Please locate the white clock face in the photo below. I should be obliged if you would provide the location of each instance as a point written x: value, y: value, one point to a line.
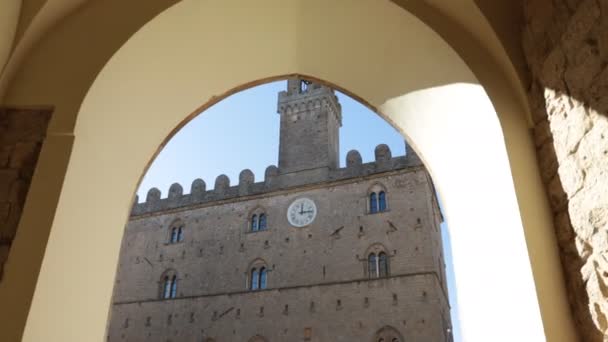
x: 301, y: 212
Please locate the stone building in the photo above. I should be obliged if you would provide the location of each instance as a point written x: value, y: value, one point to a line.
x: 313, y: 252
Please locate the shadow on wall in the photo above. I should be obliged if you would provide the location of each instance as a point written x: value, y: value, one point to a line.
x: 570, y: 107
x: 22, y: 132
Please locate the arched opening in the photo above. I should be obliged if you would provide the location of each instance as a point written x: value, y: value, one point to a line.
x: 324, y: 188
x: 399, y: 101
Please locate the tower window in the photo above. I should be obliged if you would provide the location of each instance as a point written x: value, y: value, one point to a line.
x: 377, y: 265
x: 372, y: 265
x: 258, y: 277
x: 304, y: 86
x: 169, y: 285
x: 388, y: 334
x: 177, y: 232
x: 382, y: 265
x: 373, y: 203
x: 381, y: 201
x: 258, y: 222
x: 377, y: 199
x: 254, y: 223
x: 255, y: 279
x: 262, y: 278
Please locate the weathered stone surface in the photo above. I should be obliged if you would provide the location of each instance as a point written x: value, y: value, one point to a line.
x: 7, y: 178
x: 566, y: 47
x: 5, y: 154
x: 547, y: 161
x: 571, y: 176
x: 569, y: 122
x: 21, y: 134
x: 5, y: 208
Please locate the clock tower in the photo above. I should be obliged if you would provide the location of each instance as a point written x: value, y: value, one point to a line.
x: 311, y: 117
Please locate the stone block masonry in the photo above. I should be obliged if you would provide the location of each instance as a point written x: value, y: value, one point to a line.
x: 566, y: 47
x: 22, y: 132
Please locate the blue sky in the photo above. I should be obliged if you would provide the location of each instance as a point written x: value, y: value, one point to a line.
x: 242, y: 132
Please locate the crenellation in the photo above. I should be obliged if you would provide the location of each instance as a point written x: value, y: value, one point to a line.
x: 271, y: 174
x: 198, y: 189
x: 273, y: 181
x: 382, y: 153
x: 246, y: 180
x: 175, y: 191
x: 222, y: 184
x: 353, y: 159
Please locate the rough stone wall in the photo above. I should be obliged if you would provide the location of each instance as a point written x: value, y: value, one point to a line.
x: 322, y: 263
x: 310, y: 123
x: 21, y: 134
x: 566, y: 46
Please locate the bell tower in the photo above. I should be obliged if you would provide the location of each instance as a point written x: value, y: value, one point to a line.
x: 311, y: 117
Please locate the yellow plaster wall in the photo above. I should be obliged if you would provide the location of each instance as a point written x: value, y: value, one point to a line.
x: 196, y: 51
x: 9, y: 19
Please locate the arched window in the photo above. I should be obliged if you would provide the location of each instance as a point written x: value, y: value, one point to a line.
x: 262, y: 222
x: 180, y: 234
x: 378, y: 201
x: 254, y: 223
x: 255, y: 279
x: 176, y: 234
x: 387, y: 334
x: 168, y: 284
x: 377, y: 263
x: 372, y: 266
x: 173, y: 235
x: 166, y: 288
x: 373, y: 203
x: 257, y: 338
x: 262, y: 284
x: 382, y: 201
x: 259, y: 221
x: 382, y: 265
x: 174, y: 286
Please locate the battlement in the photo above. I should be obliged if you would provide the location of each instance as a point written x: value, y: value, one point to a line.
x: 273, y: 181
x: 297, y: 100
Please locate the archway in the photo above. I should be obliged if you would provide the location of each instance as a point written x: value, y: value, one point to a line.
x: 403, y: 82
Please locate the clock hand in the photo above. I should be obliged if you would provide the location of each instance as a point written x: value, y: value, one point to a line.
x: 301, y: 208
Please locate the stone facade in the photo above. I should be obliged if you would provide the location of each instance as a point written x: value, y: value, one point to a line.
x: 22, y: 132
x: 319, y: 285
x: 566, y: 46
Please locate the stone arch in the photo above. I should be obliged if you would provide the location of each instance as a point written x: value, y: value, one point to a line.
x: 257, y: 262
x: 257, y: 338
x: 375, y: 247
x: 387, y: 334
x: 389, y: 96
